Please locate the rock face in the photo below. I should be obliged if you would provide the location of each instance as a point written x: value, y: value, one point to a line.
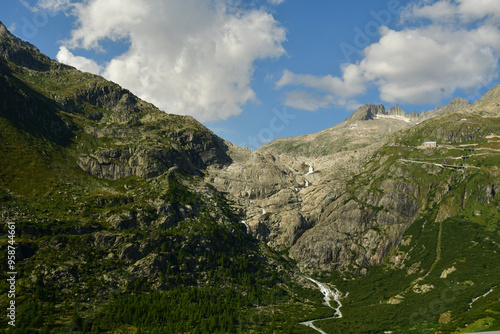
x: 22, y: 53
x: 346, y: 209
x: 186, y: 151
x: 304, y: 205
x: 322, y: 222
x: 457, y: 103
x: 144, y: 143
x: 113, y: 133
x: 366, y: 112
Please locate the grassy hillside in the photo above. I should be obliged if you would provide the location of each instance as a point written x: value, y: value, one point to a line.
x: 444, y: 276
x: 115, y: 230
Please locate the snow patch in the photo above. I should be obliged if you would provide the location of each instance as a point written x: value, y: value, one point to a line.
x: 311, y: 170
x: 397, y: 117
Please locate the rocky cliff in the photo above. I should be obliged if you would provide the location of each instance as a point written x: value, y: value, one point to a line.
x: 350, y: 209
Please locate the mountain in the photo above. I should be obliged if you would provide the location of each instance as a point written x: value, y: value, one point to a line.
x: 368, y: 125
x: 321, y: 204
x: 114, y: 224
x: 128, y: 219
x: 410, y: 231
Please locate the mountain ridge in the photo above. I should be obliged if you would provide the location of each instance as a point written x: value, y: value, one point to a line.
x: 124, y: 212
x: 109, y: 204
x: 74, y: 92
x: 373, y: 122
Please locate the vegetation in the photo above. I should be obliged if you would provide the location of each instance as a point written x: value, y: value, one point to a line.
x: 117, y: 232
x: 447, y: 280
x: 161, y: 252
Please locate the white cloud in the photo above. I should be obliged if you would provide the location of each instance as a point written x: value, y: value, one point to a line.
x: 53, y: 5
x: 444, y: 11
x: 333, y: 90
x: 275, y: 2
x: 112, y: 19
x: 472, y: 10
x: 425, y: 65
x: 27, y: 5
x: 448, y: 10
x: 349, y: 85
x: 307, y: 101
x: 417, y: 65
x: 186, y: 56
x: 83, y: 64
x: 304, y: 100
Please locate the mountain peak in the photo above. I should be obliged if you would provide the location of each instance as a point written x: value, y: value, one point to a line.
x: 458, y: 103
x: 490, y: 101
x: 396, y: 111
x: 3, y: 29
x: 6, y: 35
x: 22, y: 53
x: 493, y: 95
x: 366, y: 112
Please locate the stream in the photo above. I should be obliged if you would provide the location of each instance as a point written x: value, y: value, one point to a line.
x: 329, y: 295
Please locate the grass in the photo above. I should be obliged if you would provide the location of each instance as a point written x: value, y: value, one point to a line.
x: 185, y: 245
x: 365, y: 310
x: 467, y: 241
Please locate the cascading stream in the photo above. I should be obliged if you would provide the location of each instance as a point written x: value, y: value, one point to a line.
x: 328, y: 296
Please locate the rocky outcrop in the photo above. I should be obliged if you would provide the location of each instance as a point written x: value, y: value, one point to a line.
x: 455, y: 104
x: 316, y: 215
x: 396, y: 111
x: 366, y: 112
x: 23, y: 53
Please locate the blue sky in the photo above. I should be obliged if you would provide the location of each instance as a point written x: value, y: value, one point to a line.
x: 253, y: 71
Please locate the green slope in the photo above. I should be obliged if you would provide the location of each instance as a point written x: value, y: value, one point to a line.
x: 444, y: 276
x: 115, y: 229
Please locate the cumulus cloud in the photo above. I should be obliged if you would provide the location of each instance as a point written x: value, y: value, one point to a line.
x: 331, y: 90
x: 83, y: 64
x: 275, y: 2
x: 349, y: 85
x: 424, y: 65
x: 444, y: 11
x: 186, y: 56
x: 421, y: 64
x: 304, y: 100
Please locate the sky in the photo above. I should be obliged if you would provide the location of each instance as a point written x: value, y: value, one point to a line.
x: 256, y: 70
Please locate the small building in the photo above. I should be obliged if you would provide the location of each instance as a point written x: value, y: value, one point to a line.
x: 430, y: 144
